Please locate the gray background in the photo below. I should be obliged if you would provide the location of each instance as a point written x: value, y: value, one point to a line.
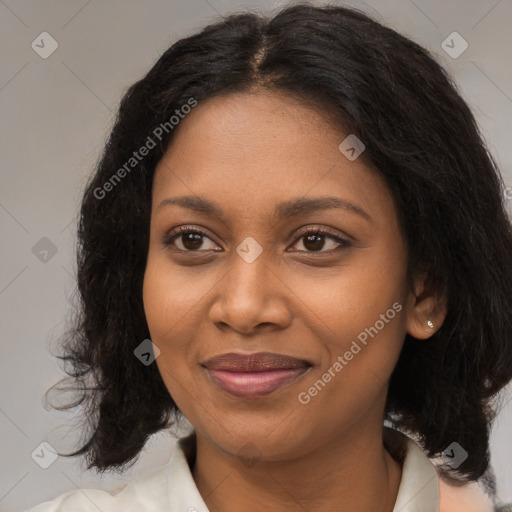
x: 55, y: 115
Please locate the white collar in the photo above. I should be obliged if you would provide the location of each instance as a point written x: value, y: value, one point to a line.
x: 419, y: 485
x: 418, y: 491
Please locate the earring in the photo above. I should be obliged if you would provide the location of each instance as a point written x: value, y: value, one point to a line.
x: 430, y: 324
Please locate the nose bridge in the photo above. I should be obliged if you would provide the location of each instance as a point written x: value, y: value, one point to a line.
x: 249, y: 274
x: 248, y: 293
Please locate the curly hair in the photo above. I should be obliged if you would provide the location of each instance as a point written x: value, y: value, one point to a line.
x: 419, y: 134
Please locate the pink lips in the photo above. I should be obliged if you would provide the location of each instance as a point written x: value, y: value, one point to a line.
x: 251, y: 375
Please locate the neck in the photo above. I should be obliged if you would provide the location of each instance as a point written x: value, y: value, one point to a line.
x: 351, y: 472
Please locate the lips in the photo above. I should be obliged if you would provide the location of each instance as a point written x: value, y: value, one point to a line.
x: 262, y: 361
x: 252, y: 375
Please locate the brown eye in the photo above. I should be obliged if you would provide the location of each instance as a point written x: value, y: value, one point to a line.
x: 316, y: 240
x: 192, y: 240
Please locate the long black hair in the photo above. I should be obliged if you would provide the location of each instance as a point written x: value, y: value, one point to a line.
x: 419, y: 135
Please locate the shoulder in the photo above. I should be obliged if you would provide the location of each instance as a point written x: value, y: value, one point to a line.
x: 146, y: 492
x: 466, y: 498
x: 423, y: 484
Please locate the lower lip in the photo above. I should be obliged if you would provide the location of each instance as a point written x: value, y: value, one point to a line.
x: 252, y: 384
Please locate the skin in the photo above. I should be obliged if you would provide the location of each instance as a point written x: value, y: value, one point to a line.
x: 469, y: 498
x: 248, y: 152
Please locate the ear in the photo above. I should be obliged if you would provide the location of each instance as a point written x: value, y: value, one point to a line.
x: 428, y: 309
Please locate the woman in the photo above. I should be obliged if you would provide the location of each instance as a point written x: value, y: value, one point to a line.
x: 294, y: 236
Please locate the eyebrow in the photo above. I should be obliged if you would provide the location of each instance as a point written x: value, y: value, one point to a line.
x: 283, y: 210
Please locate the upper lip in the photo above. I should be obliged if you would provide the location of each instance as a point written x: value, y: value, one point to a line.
x: 258, y: 362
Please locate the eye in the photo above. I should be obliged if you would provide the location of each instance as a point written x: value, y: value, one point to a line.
x: 191, y: 239
x: 314, y: 240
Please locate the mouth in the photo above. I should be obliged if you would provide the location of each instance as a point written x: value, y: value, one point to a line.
x: 253, y: 375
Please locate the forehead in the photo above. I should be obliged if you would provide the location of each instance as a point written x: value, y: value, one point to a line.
x: 255, y: 119
x: 254, y: 149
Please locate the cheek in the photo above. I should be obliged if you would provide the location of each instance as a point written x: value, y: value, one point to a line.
x: 164, y: 314
x: 166, y: 304
x: 354, y: 295
x: 361, y: 356
x: 157, y: 300
x: 174, y: 306
x: 172, y: 299
x: 358, y: 315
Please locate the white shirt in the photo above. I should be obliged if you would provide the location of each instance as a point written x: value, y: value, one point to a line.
x: 171, y: 488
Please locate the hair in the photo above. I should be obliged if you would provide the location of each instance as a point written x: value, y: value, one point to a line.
x: 420, y: 136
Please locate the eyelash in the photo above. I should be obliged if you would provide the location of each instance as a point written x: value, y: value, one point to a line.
x: 169, y: 238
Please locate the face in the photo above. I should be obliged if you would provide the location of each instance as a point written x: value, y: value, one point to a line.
x: 322, y: 280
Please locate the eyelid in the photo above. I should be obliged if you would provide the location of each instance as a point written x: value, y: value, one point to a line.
x: 173, y: 234
x: 343, y: 241
x: 323, y: 230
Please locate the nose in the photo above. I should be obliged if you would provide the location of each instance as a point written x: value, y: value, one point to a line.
x: 251, y: 297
